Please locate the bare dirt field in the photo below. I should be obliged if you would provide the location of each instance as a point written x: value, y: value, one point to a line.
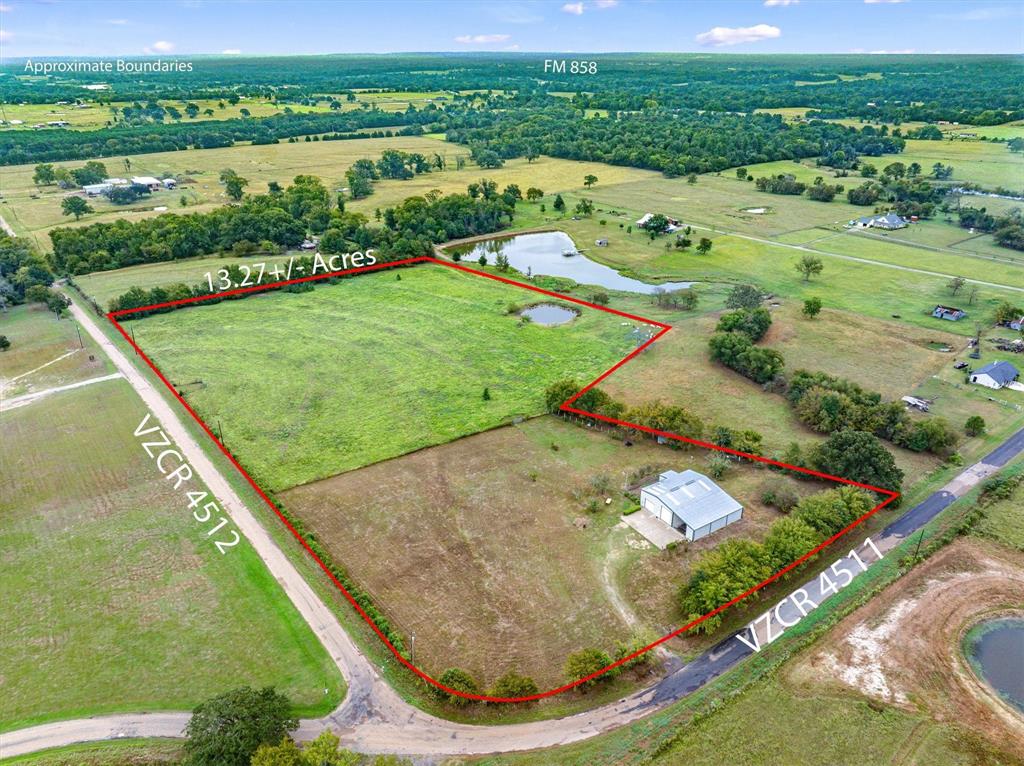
x: 499, y: 551
x: 903, y: 647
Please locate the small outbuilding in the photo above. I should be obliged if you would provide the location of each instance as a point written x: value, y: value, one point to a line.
x: 952, y: 313
x: 691, y: 503
x: 995, y: 374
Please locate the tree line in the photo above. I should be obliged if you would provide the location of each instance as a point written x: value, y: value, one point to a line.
x: 676, y: 143
x: 282, y: 218
x: 17, y: 147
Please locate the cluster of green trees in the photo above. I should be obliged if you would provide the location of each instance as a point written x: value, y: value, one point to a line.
x: 1007, y: 229
x: 828, y: 404
x: 252, y: 727
x: 903, y: 187
x: 21, y: 270
x: 734, y: 567
x: 392, y: 164
x: 677, y: 143
x: 282, y: 218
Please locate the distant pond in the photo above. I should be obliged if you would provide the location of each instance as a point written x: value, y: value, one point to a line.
x: 543, y: 253
x: 548, y: 314
x: 995, y: 649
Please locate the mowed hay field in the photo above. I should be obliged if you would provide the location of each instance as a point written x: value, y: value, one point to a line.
x: 117, y: 600
x: 308, y: 385
x: 45, y: 352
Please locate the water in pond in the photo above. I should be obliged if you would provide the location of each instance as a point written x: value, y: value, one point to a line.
x: 542, y: 253
x: 548, y: 314
x: 996, y: 651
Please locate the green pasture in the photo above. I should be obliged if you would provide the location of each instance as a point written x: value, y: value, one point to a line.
x: 307, y: 386
x: 123, y: 602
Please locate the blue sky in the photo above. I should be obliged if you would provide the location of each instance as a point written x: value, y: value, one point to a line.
x: 178, y: 28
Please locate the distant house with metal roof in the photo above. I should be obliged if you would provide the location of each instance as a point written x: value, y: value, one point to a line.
x: 952, y: 313
x: 691, y: 503
x: 995, y: 374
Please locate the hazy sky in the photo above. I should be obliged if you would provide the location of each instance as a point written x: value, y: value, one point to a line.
x: 177, y: 28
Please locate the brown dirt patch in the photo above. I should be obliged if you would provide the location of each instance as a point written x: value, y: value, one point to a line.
x: 903, y: 647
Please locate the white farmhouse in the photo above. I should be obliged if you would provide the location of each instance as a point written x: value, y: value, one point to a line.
x: 691, y: 503
x: 995, y: 374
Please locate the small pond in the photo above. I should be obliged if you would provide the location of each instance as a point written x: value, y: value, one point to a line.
x: 548, y: 314
x: 543, y: 253
x: 995, y: 649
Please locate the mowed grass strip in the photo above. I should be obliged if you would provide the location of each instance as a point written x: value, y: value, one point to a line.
x: 309, y: 385
x: 117, y: 599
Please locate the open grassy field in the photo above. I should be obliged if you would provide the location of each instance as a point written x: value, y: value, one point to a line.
x: 775, y: 722
x: 123, y: 603
x: 1002, y: 519
x: 45, y: 352
x: 547, y: 173
x: 678, y: 370
x: 980, y: 162
x: 486, y: 551
x: 92, y: 116
x: 102, y: 286
x: 396, y: 365
x: 33, y: 210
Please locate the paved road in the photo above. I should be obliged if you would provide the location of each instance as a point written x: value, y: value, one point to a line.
x: 372, y: 717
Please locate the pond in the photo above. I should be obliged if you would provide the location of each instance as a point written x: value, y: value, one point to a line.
x: 548, y: 314
x: 995, y: 649
x: 542, y: 253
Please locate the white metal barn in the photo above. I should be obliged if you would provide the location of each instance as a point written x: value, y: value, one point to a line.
x: 690, y: 502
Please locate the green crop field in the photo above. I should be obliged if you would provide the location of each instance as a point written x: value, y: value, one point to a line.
x: 309, y: 385
x: 123, y: 602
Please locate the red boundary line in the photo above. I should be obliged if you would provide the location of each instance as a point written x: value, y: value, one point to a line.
x: 566, y: 406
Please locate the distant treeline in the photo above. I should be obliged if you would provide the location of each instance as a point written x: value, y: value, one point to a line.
x: 978, y: 90
x: 676, y: 143
x: 17, y: 147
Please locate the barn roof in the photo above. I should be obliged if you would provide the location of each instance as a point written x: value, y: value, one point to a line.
x: 693, y: 497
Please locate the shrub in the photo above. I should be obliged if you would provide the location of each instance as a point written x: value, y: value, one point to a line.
x: 753, y: 323
x: 513, y: 684
x: 459, y: 680
x: 585, y: 662
x: 780, y: 496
